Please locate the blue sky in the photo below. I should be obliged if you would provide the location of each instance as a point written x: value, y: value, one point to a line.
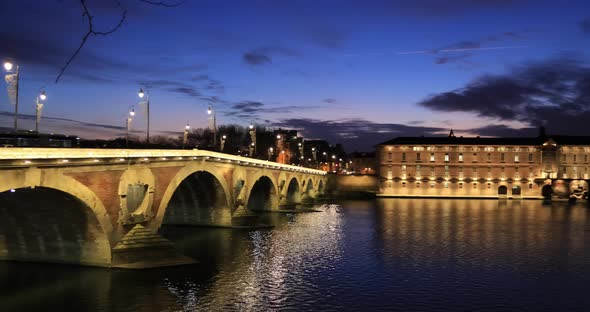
x: 354, y: 72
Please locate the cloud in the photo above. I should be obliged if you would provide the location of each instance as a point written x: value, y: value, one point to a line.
x: 585, y: 26
x: 354, y: 134
x: 330, y: 101
x: 255, y: 110
x: 555, y: 93
x: 460, y: 52
x: 264, y: 55
x: 189, y: 91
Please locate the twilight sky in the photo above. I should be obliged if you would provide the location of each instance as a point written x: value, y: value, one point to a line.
x: 352, y: 72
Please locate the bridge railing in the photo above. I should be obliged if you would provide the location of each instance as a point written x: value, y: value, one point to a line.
x: 22, y: 156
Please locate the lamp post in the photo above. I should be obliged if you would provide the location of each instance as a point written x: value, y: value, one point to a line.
x: 253, y: 140
x: 212, y: 124
x: 12, y: 80
x: 270, y: 151
x: 141, y: 95
x: 222, y: 143
x: 129, y: 119
x: 38, y: 108
x: 185, y: 138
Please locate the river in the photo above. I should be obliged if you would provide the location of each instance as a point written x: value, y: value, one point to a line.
x: 380, y: 255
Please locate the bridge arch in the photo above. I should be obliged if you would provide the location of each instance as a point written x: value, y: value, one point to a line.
x: 263, y: 195
x: 51, y: 225
x: 293, y: 193
x: 196, y: 196
x: 320, y: 189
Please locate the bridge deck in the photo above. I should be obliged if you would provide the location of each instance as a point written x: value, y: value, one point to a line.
x: 22, y: 156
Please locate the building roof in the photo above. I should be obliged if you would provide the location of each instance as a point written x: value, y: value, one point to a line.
x: 451, y: 140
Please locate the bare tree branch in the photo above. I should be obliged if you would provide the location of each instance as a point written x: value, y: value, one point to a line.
x: 86, y: 13
x: 162, y: 3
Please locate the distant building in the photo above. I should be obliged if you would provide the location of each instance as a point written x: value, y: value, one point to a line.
x: 533, y: 167
x: 363, y: 163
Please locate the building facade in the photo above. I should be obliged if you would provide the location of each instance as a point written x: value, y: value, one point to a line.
x: 537, y: 167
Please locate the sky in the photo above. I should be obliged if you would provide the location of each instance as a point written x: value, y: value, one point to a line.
x: 352, y: 72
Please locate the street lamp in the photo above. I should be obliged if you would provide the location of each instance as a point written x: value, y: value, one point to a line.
x: 185, y: 138
x: 38, y: 108
x: 222, y: 142
x: 253, y: 140
x: 12, y: 80
x: 212, y: 124
x: 141, y: 95
x: 129, y: 119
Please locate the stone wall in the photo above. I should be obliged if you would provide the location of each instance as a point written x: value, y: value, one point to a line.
x: 352, y: 185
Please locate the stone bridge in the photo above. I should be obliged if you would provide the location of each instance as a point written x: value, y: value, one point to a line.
x: 104, y: 207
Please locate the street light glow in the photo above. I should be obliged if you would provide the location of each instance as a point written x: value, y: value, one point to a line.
x: 187, y: 127
x: 132, y: 112
x: 141, y: 93
x: 43, y: 96
x: 8, y: 66
x: 251, y: 126
x: 278, y: 136
x: 209, y: 110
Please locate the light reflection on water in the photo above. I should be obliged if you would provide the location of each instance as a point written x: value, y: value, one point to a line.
x: 389, y: 254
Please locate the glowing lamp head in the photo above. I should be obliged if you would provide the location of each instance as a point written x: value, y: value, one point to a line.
x: 209, y: 110
x: 141, y: 93
x: 8, y: 66
x: 251, y: 126
x: 278, y: 136
x: 132, y: 112
x: 187, y: 127
x: 224, y: 137
x: 43, y: 96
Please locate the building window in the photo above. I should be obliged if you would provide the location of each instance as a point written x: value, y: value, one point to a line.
x: 446, y: 184
x: 516, y: 173
x: 530, y: 185
x: 474, y: 185
x: 489, y: 157
x: 488, y: 149
x: 516, y: 158
x: 474, y: 170
x: 489, y: 185
x: 460, y: 185
x: 502, y: 157
x: 446, y: 171
x: 530, y: 157
x: 403, y: 156
x: 531, y: 172
x: 417, y: 184
x: 474, y: 157
x: 460, y: 157
x: 389, y: 172
x: 432, y: 171
x: 585, y: 158
x: 446, y: 157
x: 417, y: 170
x: 403, y: 184
x: 417, y: 156
x: 431, y: 156
x: 574, y: 158
x: 389, y: 156
x: 564, y: 157
x: 432, y: 184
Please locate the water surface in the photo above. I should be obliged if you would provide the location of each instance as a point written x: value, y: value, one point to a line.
x: 383, y: 255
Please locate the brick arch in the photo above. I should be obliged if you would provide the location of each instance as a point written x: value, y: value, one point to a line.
x: 274, y: 188
x: 292, y: 191
x: 68, y: 225
x: 66, y: 184
x: 180, y: 177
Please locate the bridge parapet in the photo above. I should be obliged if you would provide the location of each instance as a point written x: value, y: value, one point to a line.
x: 29, y: 157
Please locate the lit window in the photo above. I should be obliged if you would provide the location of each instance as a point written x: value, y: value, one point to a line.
x: 446, y: 157
x: 461, y: 157
x: 431, y: 156
x: 516, y: 158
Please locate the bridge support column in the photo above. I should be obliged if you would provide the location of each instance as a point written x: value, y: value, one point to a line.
x: 142, y: 248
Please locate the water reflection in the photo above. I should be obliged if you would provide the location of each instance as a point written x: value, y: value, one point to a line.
x: 384, y: 255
